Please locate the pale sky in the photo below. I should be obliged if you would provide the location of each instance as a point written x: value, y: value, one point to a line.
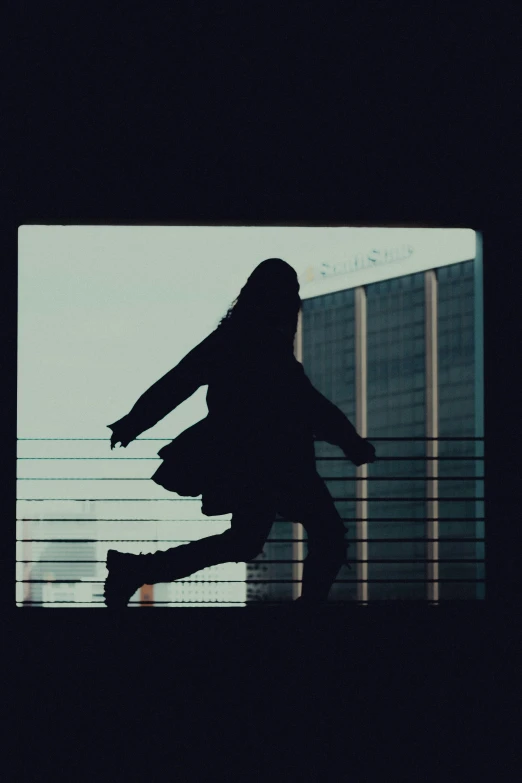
x: 104, y: 311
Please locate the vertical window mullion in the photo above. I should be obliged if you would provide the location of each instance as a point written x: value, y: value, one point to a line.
x: 479, y: 410
x: 361, y: 368
x: 297, y: 528
x: 432, y: 431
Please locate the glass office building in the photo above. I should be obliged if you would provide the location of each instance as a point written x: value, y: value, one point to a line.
x: 394, y: 339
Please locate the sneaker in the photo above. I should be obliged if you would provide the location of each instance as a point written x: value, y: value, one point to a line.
x: 124, y: 578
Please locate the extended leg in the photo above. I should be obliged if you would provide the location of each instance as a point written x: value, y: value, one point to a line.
x: 242, y: 542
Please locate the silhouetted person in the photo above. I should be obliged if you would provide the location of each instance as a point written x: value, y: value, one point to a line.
x: 253, y: 455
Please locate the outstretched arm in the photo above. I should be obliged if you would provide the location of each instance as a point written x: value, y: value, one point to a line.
x: 333, y: 426
x: 330, y: 423
x: 166, y: 394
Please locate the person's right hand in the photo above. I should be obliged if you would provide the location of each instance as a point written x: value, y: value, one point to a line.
x: 115, y: 440
x: 118, y: 436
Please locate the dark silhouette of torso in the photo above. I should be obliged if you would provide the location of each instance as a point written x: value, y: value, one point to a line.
x: 263, y: 417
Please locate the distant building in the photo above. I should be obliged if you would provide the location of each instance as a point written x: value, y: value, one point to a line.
x: 70, y: 554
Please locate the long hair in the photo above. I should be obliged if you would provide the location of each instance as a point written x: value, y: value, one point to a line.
x: 268, y: 300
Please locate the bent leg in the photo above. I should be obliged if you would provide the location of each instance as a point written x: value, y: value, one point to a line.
x: 243, y: 541
x: 316, y: 511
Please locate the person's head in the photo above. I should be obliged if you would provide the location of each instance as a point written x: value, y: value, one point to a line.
x: 270, y: 297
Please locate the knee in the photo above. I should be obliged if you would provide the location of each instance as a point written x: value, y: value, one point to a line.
x: 248, y: 550
x: 243, y: 549
x: 332, y: 547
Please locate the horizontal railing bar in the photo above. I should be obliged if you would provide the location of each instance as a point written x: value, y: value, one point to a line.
x: 402, y: 478
x: 274, y: 562
x: 338, y: 602
x: 267, y: 602
x: 402, y: 520
x: 252, y: 581
x: 401, y: 438
x: 352, y: 560
x: 380, y: 459
x: 342, y: 605
x: 112, y: 540
x: 189, y: 499
x: 413, y: 499
x: 470, y: 539
x: 346, y: 459
x: 124, y: 519
x: 137, y: 604
x: 250, y: 604
x: 325, y: 478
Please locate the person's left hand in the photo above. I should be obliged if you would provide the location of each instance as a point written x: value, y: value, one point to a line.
x: 365, y: 453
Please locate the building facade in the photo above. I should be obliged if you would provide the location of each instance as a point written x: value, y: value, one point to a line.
x: 394, y: 338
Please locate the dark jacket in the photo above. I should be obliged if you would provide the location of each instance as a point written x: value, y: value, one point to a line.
x: 263, y: 417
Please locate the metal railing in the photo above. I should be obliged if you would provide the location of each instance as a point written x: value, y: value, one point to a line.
x: 297, y: 539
